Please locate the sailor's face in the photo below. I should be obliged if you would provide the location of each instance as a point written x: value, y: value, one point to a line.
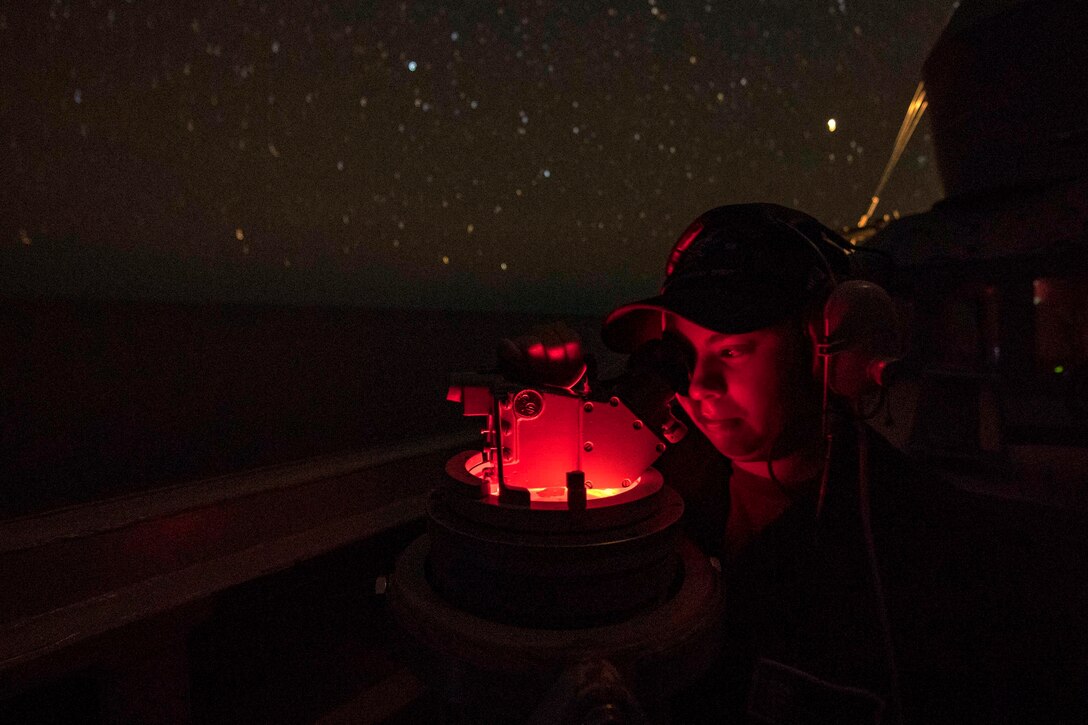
x: 750, y: 393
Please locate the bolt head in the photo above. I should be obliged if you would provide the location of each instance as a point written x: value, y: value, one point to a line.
x: 528, y: 403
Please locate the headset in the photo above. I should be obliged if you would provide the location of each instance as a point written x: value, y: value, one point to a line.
x: 855, y: 333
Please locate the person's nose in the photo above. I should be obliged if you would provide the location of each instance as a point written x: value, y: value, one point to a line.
x: 707, y: 379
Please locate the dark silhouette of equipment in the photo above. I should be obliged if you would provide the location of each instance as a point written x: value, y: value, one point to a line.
x: 994, y: 279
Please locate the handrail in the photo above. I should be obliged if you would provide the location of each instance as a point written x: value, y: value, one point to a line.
x: 114, y: 513
x: 88, y: 570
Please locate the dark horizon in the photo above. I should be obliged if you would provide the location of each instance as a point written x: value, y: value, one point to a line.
x: 66, y: 270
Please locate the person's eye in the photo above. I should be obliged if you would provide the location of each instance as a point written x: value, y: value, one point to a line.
x: 731, y: 353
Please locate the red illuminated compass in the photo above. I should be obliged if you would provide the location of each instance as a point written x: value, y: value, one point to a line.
x: 553, y: 542
x: 550, y: 448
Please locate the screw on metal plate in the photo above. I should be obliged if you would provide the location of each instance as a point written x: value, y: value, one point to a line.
x: 588, y: 446
x: 660, y: 447
x: 588, y: 407
x: 528, y: 403
x: 614, y: 401
x: 626, y: 483
x: 638, y: 425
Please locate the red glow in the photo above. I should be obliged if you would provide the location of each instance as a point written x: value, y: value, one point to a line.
x: 555, y: 497
x: 536, y: 438
x: 568, y: 433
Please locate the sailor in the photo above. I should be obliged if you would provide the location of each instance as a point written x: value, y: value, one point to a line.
x: 859, y: 589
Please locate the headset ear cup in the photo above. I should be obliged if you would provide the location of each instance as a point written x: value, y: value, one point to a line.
x: 862, y: 337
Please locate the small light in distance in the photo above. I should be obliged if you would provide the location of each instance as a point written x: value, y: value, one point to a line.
x: 412, y: 65
x: 832, y: 125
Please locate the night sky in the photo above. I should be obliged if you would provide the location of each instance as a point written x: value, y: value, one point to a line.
x: 534, y: 155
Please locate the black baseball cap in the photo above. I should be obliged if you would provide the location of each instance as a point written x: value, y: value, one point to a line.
x: 736, y: 269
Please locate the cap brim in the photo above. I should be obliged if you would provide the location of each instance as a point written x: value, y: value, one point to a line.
x: 629, y: 326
